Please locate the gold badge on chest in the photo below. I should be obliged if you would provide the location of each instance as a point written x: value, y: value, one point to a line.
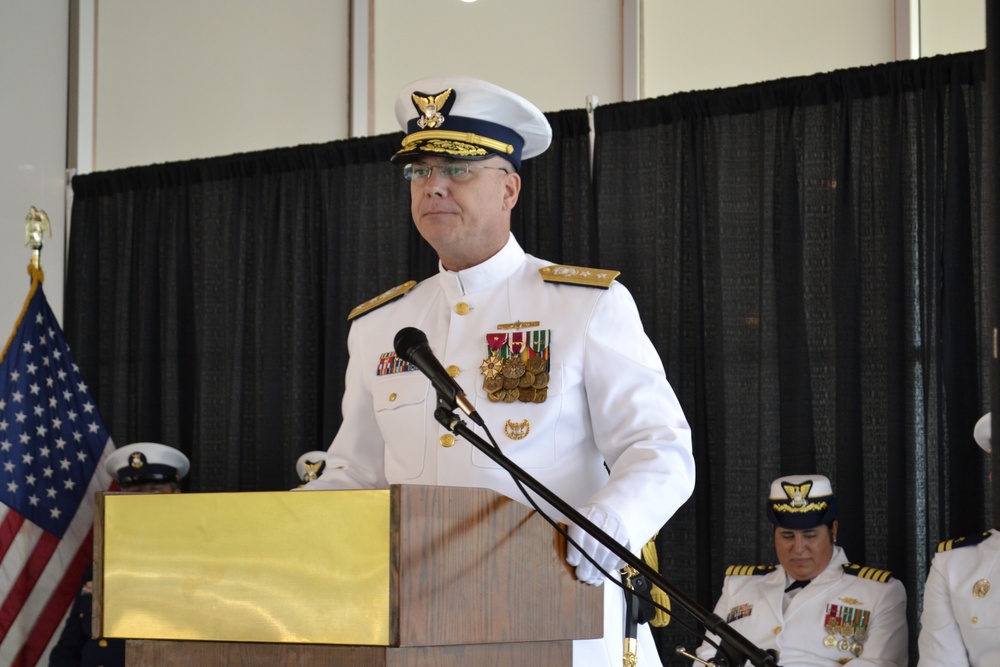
x: 981, y: 589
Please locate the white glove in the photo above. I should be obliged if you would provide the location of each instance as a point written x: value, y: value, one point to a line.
x: 611, y: 524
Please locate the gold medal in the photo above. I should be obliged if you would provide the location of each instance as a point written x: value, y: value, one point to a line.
x: 535, y: 365
x: 541, y: 380
x: 493, y: 384
x: 844, y: 645
x: 511, y: 395
x: 526, y: 394
x: 541, y: 395
x: 513, y: 368
x: 856, y: 649
x: 848, y: 631
x: 829, y: 641
x: 526, y: 380
x: 861, y: 635
x: 496, y: 396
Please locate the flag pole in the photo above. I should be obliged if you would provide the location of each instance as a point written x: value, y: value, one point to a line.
x: 36, y: 224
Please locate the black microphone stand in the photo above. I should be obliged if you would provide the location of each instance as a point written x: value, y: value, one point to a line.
x: 730, y: 638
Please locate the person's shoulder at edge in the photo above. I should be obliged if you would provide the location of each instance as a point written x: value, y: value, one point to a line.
x: 973, y: 539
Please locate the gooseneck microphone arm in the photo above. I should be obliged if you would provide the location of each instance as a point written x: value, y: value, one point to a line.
x: 731, y: 640
x: 411, y: 345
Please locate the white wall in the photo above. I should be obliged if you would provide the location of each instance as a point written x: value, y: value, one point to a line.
x: 34, y: 49
x: 184, y: 79
x: 952, y: 26
x: 553, y: 52
x: 721, y: 43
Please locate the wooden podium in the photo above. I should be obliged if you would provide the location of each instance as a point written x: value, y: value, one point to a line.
x: 404, y: 577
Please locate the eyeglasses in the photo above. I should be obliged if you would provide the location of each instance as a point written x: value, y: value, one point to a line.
x: 453, y: 171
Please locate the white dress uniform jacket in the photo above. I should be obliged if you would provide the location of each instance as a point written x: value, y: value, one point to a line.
x: 753, y: 607
x: 960, y: 623
x: 608, y: 401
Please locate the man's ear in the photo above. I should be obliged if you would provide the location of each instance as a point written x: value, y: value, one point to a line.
x: 512, y: 190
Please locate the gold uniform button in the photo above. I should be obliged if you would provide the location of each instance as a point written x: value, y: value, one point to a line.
x: 777, y: 630
x: 392, y: 397
x: 103, y: 643
x: 462, y: 308
x: 447, y: 440
x: 975, y: 619
x: 453, y: 371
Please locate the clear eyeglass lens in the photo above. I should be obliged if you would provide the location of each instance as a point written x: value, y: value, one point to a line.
x: 420, y: 172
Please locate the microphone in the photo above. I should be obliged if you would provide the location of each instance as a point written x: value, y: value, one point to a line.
x: 411, y: 346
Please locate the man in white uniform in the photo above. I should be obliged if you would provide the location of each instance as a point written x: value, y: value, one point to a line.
x: 960, y: 623
x: 554, y: 358
x: 815, y: 608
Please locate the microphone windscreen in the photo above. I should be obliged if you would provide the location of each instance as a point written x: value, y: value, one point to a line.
x: 407, y: 339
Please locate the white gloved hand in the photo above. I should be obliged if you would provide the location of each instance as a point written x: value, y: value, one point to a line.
x: 611, y: 524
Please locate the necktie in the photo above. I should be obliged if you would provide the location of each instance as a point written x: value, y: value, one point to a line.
x: 797, y: 584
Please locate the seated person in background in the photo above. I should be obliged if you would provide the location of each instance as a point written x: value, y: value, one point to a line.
x: 960, y: 623
x: 815, y: 608
x: 143, y: 467
x: 310, y: 466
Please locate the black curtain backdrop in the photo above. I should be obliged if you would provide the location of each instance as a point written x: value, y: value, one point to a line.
x: 808, y: 255
x: 809, y: 258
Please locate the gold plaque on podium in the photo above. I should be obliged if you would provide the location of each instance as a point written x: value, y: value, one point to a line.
x: 300, y: 567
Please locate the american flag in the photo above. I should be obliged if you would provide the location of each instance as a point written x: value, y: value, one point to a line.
x: 52, y: 450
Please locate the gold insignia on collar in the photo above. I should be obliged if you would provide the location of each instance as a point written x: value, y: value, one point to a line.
x: 430, y: 108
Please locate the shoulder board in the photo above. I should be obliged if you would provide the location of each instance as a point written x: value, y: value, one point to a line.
x: 865, y: 572
x: 748, y: 570
x: 964, y: 541
x: 578, y: 275
x: 382, y: 299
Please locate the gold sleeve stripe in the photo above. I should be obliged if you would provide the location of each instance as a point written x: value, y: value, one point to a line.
x: 746, y: 570
x: 874, y: 574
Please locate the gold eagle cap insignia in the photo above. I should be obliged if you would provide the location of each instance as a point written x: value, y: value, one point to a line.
x: 430, y: 107
x: 797, y: 493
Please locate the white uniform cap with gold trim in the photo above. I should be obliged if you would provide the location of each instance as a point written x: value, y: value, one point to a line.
x: 799, y: 502
x: 464, y: 118
x: 983, y: 432
x: 310, y: 465
x: 147, y: 462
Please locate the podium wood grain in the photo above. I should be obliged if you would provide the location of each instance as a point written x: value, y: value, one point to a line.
x: 475, y: 578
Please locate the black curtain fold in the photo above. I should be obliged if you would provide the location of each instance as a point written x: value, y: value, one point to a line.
x: 811, y: 230
x: 208, y: 299
x: 807, y: 255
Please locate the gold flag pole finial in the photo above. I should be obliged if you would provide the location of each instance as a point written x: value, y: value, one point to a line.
x: 35, y: 225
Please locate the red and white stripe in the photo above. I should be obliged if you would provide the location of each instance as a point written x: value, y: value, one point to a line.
x: 40, y: 576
